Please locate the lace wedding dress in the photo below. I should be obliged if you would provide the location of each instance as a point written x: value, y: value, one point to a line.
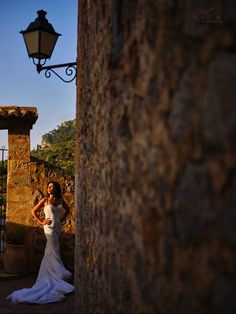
x: 51, y: 284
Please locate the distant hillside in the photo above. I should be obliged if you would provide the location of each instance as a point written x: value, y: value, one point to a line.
x: 58, y: 147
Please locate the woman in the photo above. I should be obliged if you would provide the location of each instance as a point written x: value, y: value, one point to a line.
x: 52, y: 281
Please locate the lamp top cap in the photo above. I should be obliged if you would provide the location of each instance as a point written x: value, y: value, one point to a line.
x: 41, y: 23
x: 41, y: 13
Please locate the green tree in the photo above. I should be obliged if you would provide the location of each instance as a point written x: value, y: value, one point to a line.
x: 58, y: 147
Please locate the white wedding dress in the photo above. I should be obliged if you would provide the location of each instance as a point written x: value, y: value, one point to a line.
x: 51, y: 284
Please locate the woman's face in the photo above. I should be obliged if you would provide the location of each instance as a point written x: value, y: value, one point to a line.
x: 51, y: 188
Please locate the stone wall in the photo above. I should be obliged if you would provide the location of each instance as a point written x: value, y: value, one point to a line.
x: 156, y: 129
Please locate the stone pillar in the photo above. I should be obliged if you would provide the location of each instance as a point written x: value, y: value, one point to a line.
x: 18, y: 121
x: 18, y: 187
x: 156, y: 166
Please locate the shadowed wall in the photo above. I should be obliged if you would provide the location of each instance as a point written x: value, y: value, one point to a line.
x: 156, y: 184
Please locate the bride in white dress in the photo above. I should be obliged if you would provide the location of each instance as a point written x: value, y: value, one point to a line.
x: 52, y: 281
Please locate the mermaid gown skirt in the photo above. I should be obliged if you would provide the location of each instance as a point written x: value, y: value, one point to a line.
x: 51, y: 284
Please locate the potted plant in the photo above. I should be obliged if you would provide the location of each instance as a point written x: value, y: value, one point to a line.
x: 15, y: 258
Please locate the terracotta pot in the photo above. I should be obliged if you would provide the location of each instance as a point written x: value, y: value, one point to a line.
x: 15, y: 258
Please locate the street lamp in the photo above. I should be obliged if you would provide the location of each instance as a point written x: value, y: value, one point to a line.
x: 40, y: 39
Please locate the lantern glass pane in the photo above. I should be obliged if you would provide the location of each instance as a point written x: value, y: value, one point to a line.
x: 48, y: 41
x: 32, y: 42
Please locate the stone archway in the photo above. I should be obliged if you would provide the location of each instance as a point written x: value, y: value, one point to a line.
x: 18, y: 121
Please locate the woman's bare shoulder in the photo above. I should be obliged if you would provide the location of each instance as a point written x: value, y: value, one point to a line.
x: 44, y: 200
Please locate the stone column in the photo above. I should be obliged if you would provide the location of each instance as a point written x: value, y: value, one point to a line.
x: 156, y: 183
x: 18, y: 121
x: 18, y: 187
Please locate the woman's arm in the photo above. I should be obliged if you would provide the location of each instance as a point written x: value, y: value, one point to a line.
x: 35, y: 211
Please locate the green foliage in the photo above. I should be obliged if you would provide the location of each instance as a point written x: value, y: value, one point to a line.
x: 64, y: 133
x: 3, y: 168
x: 59, y: 147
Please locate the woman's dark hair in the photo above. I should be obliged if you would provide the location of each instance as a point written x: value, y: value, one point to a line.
x: 57, y: 187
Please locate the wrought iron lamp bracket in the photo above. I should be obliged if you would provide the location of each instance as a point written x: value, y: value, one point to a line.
x: 70, y: 70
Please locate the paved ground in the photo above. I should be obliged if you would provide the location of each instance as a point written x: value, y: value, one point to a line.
x: 8, y: 284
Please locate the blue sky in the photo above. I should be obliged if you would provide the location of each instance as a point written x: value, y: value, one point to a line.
x: 20, y: 84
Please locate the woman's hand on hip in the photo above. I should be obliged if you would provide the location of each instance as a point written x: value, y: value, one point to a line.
x: 47, y: 221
